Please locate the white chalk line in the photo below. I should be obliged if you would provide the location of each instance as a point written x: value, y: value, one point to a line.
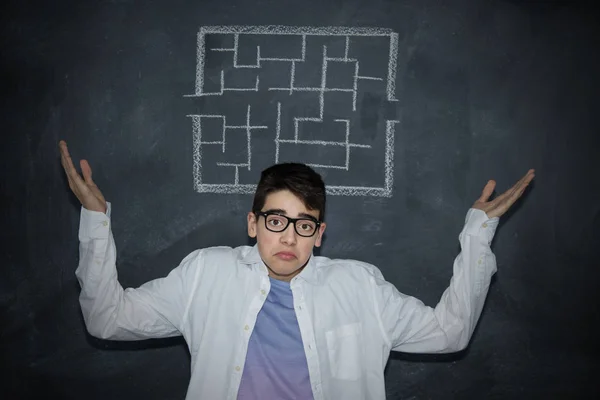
x: 247, y: 127
x: 345, y: 144
x: 323, y: 83
x: 330, y: 190
x: 197, y: 128
x: 236, y: 188
x: 325, y: 143
x: 277, y: 132
x: 347, y: 122
x: 392, y: 64
x: 285, y: 30
x: 390, y: 91
x: 296, y: 30
x: 390, y: 128
x: 196, y: 152
x: 341, y: 59
x: 321, y: 96
x: 346, y: 48
x: 311, y: 89
x: 248, y: 136
x: 220, y: 164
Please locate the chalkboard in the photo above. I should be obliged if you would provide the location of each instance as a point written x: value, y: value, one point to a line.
x: 406, y: 108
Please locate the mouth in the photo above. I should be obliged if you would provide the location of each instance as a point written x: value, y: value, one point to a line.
x: 285, y: 255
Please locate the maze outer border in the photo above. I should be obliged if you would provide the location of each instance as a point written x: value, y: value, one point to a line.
x: 386, y: 190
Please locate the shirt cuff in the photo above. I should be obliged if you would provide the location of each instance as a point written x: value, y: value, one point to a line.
x: 477, y: 223
x: 94, y: 224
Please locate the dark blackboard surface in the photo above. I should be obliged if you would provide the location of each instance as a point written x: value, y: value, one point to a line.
x: 481, y: 91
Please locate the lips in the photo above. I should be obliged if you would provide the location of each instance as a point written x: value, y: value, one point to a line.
x: 285, y: 255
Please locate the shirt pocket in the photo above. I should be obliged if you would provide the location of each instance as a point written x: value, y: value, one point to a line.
x: 344, y: 345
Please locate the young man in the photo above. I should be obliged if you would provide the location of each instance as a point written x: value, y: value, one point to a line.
x: 273, y: 321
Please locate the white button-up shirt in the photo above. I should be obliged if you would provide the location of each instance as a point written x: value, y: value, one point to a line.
x: 349, y: 316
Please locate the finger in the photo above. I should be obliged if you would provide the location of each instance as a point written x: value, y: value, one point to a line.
x: 512, y: 195
x: 69, y: 170
x: 514, y: 190
x: 506, y: 199
x: 520, y: 186
x: 65, y: 156
x: 75, y: 181
x: 528, y: 178
x: 66, y: 160
x: 62, y: 145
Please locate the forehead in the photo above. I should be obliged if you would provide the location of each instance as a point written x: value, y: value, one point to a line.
x: 288, y: 202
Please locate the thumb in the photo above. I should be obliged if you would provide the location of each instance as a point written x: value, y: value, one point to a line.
x: 488, y: 190
x: 86, y: 171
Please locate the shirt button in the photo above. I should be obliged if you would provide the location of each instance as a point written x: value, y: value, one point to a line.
x: 484, y: 225
x: 310, y: 347
x: 246, y: 327
x: 104, y: 223
x: 479, y: 262
x: 263, y: 292
x: 237, y: 368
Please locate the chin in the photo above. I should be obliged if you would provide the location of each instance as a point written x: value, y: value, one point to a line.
x: 285, y: 270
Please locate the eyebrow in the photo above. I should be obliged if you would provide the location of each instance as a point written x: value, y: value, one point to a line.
x: 283, y: 212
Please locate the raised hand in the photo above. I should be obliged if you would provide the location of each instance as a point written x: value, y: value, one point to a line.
x: 85, y: 189
x: 502, y: 203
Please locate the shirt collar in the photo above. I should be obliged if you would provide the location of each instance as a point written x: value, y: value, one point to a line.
x: 310, y: 273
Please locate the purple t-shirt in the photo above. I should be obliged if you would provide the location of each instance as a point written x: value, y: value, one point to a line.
x: 276, y: 365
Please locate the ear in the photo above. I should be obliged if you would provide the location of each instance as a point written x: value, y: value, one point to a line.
x: 252, y: 224
x: 320, y: 234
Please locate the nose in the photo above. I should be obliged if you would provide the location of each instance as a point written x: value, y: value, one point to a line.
x: 288, y: 236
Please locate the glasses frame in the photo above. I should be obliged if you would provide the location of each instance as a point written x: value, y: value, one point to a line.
x: 289, y: 221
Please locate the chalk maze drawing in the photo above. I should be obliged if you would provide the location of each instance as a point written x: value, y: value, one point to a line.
x: 214, y: 133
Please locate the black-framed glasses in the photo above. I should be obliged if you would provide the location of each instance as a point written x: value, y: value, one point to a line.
x: 305, y: 227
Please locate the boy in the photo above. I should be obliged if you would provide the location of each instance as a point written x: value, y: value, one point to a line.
x: 273, y: 321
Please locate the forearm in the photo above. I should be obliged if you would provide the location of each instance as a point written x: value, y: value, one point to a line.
x: 461, y: 304
x: 111, y: 312
x: 101, y: 292
x: 415, y: 327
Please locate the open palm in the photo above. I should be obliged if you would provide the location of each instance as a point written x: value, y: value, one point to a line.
x: 84, y: 188
x: 501, y: 204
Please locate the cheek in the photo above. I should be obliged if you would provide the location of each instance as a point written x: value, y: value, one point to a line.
x: 265, y: 242
x: 307, y: 248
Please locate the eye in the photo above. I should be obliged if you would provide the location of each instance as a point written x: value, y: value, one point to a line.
x: 275, y: 221
x: 307, y: 226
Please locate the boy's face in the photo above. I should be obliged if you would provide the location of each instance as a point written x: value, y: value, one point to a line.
x: 285, y: 253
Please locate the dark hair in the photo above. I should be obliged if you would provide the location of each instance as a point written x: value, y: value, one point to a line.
x: 300, y: 179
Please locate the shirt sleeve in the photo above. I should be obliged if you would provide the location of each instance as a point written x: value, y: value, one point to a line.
x: 156, y: 309
x: 411, y: 326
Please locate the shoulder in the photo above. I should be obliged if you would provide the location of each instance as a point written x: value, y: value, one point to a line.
x: 339, y: 268
x: 217, y: 256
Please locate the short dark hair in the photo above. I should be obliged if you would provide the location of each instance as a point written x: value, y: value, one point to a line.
x: 300, y: 179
